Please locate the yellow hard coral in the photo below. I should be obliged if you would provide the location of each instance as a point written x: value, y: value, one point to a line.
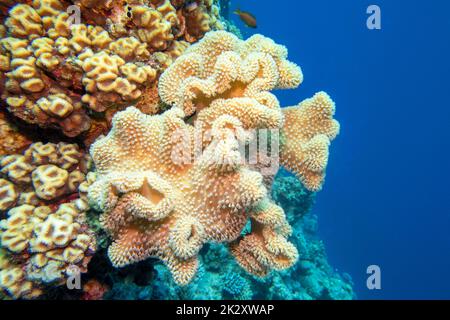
x: 42, y: 174
x: 50, y: 76
x: 8, y: 194
x: 28, y: 94
x: 24, y: 22
x: 44, y: 244
x: 199, y: 18
x: 13, y: 282
x: 266, y: 247
x: 49, y: 244
x: 308, y: 130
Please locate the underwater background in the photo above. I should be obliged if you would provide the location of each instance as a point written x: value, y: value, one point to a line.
x: 385, y: 198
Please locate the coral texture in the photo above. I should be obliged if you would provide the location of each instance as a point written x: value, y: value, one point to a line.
x: 154, y: 207
x: 42, y: 175
x: 48, y: 245
x: 45, y: 231
x: 309, y: 128
x: 222, y: 75
x: 219, y: 276
x: 158, y: 202
x: 55, y: 70
x: 168, y: 106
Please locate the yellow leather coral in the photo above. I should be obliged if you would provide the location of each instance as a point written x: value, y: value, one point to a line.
x: 156, y: 206
x: 164, y: 194
x: 309, y: 128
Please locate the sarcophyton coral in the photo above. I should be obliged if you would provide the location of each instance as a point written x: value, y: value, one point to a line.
x: 159, y: 22
x: 156, y: 202
x: 307, y: 133
x: 223, y: 75
x: 45, y: 232
x: 56, y: 70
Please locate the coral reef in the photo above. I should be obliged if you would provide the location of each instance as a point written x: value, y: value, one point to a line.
x: 155, y: 208
x: 157, y: 202
x: 57, y: 72
x: 168, y: 106
x: 223, y: 75
x: 44, y: 231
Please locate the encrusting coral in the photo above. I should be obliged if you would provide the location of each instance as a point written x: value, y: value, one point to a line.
x: 41, y: 175
x: 56, y: 71
x: 45, y: 232
x: 158, y: 201
x: 13, y: 282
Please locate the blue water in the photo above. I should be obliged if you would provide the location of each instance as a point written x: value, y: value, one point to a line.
x: 386, y: 199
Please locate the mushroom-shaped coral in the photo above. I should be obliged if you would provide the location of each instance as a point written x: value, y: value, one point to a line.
x: 164, y: 193
x: 45, y: 233
x: 155, y: 206
x: 308, y: 131
x: 223, y: 75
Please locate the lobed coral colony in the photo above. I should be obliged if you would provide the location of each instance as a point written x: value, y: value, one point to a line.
x: 118, y: 94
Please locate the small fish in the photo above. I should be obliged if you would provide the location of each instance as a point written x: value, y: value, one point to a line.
x: 247, y: 18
